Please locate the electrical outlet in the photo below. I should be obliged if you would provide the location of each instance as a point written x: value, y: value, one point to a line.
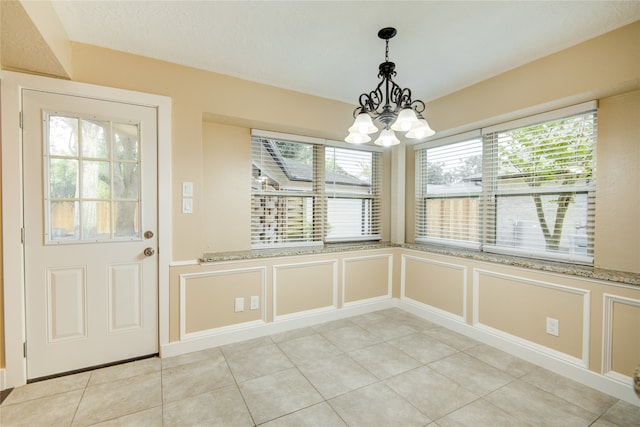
x: 239, y: 304
x: 255, y: 302
x: 553, y: 327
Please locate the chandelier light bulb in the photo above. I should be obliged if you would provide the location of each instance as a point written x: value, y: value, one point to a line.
x: 357, y: 138
x: 387, y: 138
x: 363, y: 125
x: 420, y: 130
x: 406, y: 120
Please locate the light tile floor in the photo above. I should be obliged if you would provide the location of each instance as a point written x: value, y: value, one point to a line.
x: 386, y: 368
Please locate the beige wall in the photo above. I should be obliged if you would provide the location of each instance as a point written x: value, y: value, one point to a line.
x: 600, y: 67
x: 368, y: 277
x: 441, y: 285
x: 226, y: 187
x: 617, y: 239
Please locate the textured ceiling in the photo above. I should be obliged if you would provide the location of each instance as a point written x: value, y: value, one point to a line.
x: 331, y: 48
x: 23, y: 47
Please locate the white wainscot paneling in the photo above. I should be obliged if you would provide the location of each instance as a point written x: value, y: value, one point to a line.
x: 607, y: 337
x: 66, y: 303
x: 347, y: 262
x: 184, y: 283
x: 125, y: 297
x: 334, y: 286
x: 582, y: 362
x: 431, y: 309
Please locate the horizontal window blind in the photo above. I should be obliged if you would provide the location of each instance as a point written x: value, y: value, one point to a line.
x: 283, y: 194
x: 524, y: 188
x: 307, y: 193
x: 352, y: 187
x: 541, y: 191
x: 448, y: 186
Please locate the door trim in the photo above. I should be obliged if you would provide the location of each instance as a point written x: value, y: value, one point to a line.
x: 11, y: 86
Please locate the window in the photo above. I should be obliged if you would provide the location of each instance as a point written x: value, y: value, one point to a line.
x: 308, y: 193
x: 284, y: 194
x: 352, y: 187
x: 92, y: 180
x: 524, y: 188
x: 448, y: 190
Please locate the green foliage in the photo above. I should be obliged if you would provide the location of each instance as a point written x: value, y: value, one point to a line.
x: 439, y: 174
x: 63, y: 178
x: 556, y: 153
x: 293, y: 150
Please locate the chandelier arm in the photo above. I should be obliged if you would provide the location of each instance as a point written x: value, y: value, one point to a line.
x: 418, y: 106
x: 370, y: 102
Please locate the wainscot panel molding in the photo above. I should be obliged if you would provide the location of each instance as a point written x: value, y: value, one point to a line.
x: 251, y: 330
x: 184, y: 284
x: 459, y: 285
x: 582, y: 361
x: 302, y: 307
x: 609, y: 302
x: 384, y: 282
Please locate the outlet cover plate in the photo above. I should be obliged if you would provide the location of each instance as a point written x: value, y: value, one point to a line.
x: 239, y: 304
x: 255, y: 302
x: 553, y: 327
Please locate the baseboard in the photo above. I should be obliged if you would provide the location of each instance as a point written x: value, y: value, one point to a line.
x: 621, y: 388
x: 223, y: 336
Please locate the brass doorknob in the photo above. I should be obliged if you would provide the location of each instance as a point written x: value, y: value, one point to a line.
x: 149, y: 251
x: 148, y: 234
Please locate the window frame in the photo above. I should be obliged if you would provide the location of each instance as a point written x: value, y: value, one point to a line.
x: 491, y: 190
x: 423, y: 196
x: 320, y: 195
x: 374, y: 198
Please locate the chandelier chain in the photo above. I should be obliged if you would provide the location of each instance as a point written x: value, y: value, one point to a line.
x: 386, y: 52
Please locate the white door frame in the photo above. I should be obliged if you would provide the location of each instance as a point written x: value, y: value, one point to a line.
x: 12, y: 84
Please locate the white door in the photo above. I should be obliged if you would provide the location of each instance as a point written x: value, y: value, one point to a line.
x: 90, y: 220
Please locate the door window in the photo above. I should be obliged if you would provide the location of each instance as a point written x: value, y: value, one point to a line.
x: 92, y: 179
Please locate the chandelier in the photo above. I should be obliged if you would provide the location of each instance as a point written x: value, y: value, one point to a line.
x: 398, y: 113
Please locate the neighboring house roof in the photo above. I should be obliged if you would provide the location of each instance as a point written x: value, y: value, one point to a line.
x: 296, y: 170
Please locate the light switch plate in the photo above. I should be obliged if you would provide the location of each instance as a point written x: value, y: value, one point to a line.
x: 187, y: 206
x: 239, y: 304
x: 187, y: 189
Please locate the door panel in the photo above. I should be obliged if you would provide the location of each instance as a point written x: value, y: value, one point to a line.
x: 66, y: 303
x: 125, y: 295
x: 90, y: 193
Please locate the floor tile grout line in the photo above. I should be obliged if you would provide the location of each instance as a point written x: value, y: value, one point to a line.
x: 557, y: 396
x: 235, y: 380
x: 84, y: 390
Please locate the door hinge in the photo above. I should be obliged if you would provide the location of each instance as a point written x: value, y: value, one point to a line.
x: 24, y: 349
x: 20, y: 119
x: 22, y: 235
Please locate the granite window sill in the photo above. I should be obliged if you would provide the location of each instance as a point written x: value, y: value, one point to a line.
x: 620, y: 277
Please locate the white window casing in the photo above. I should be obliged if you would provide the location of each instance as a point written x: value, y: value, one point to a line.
x: 536, y: 187
x: 308, y: 191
